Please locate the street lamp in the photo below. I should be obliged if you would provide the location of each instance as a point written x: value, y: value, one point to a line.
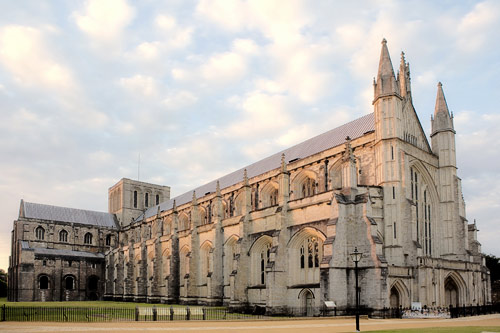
x: 356, y: 257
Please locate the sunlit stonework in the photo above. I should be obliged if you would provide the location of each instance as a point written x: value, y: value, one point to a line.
x: 279, y: 232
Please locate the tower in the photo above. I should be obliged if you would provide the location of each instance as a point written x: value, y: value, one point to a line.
x: 443, y: 145
x: 128, y: 198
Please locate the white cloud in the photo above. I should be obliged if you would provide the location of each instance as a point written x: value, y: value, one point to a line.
x: 144, y: 85
x: 176, y: 36
x: 478, y: 26
x: 179, y: 99
x: 104, y: 20
x: 262, y: 113
x: 245, y: 46
x: 18, y: 47
x: 224, y: 67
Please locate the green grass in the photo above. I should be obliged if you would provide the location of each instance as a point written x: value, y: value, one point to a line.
x: 105, y: 311
x: 466, y: 329
x: 80, y: 304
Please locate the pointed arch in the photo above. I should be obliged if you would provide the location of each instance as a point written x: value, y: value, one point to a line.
x: 183, y: 221
x: 305, y: 250
x: 206, y: 261
x: 184, y: 259
x: 167, y: 225
x: 335, y: 175
x: 230, y: 252
x: 239, y: 202
x: 424, y: 194
x: 304, y: 184
x: 165, y: 263
x: 399, y: 294
x: 203, y: 215
x: 306, y: 297
x: 454, y: 289
x: 269, y: 194
x: 259, y: 258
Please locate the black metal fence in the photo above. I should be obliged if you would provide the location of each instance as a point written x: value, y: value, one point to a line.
x: 171, y: 313
x: 466, y: 311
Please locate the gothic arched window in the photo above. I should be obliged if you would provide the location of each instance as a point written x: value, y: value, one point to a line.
x: 87, y: 238
x: 63, y: 236
x: 40, y: 233
x: 260, y: 255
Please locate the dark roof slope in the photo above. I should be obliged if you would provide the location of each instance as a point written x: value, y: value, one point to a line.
x: 63, y: 214
x: 322, y: 142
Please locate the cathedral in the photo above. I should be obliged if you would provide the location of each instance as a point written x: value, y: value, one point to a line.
x: 280, y: 232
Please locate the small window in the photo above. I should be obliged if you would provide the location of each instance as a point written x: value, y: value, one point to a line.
x: 108, y: 240
x: 63, y: 236
x: 88, y: 238
x: 44, y: 263
x: 146, y: 200
x: 40, y: 233
x: 44, y: 282
x: 394, y: 230
x: 69, y: 282
x: 157, y: 199
x: 135, y: 199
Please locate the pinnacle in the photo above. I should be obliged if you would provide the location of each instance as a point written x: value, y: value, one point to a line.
x: 441, y: 105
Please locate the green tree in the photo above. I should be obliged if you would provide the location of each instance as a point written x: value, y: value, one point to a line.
x: 3, y: 283
x: 493, y: 264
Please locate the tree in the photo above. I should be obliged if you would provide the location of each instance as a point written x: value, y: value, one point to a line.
x: 3, y: 283
x: 493, y: 264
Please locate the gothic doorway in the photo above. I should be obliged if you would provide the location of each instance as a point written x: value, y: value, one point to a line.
x: 451, y: 292
x: 306, y: 299
x: 395, y: 299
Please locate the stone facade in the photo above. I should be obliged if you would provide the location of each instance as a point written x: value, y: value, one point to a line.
x: 279, y: 233
x: 58, y: 253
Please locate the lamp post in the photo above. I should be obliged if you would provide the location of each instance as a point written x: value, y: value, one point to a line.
x: 356, y: 257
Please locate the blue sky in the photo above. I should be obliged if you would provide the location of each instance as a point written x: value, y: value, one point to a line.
x: 200, y: 88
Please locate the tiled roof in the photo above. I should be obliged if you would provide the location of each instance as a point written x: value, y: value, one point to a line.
x: 322, y: 142
x: 64, y: 214
x: 67, y: 253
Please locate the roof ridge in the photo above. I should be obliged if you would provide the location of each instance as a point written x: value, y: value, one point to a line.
x: 80, y: 209
x: 364, y: 123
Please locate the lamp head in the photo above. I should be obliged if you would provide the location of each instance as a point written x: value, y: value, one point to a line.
x: 356, y: 256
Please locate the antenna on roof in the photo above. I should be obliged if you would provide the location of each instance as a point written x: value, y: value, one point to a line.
x: 139, y: 167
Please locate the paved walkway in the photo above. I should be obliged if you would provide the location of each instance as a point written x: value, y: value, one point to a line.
x: 279, y: 326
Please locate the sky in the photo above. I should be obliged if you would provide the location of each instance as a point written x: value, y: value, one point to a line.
x: 197, y: 89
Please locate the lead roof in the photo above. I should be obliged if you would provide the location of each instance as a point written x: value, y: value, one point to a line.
x: 317, y: 144
x: 64, y: 214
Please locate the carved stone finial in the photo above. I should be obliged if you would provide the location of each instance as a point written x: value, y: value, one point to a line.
x: 217, y: 189
x: 348, y: 153
x: 384, y: 41
x: 174, y: 206
x: 283, y: 163
x: 195, y: 201
x: 245, y: 177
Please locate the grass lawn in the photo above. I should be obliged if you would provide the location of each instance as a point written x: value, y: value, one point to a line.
x: 106, y: 310
x: 466, y: 329
x: 80, y: 304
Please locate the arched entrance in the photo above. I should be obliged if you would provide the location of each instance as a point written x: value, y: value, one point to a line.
x: 306, y: 302
x: 451, y: 292
x: 93, y: 288
x: 395, y: 299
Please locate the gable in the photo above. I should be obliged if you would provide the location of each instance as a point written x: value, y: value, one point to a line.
x: 412, y: 131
